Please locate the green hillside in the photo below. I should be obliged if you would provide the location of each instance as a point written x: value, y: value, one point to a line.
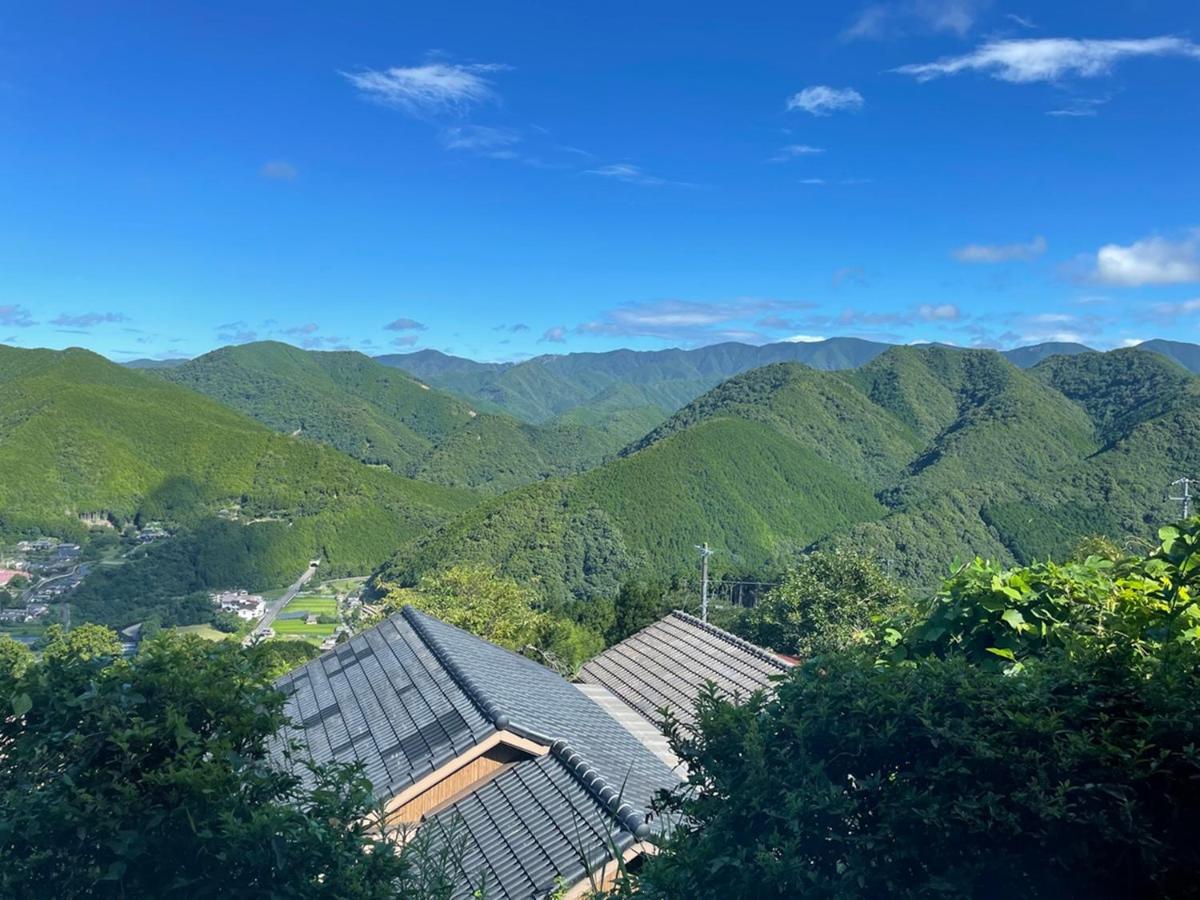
x: 752, y: 493
x: 543, y: 388
x: 80, y: 435
x: 923, y: 456
x: 384, y: 416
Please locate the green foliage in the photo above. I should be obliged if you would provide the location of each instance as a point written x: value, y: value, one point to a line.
x: 15, y: 658
x: 79, y: 434
x: 499, y: 610
x: 276, y: 658
x: 150, y: 777
x: 384, y: 416
x: 639, y: 603
x: 1030, y: 731
x: 999, y: 618
x: 924, y: 456
x: 828, y: 603
x: 1077, y: 778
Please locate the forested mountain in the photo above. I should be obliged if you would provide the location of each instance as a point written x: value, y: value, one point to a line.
x: 1024, y: 357
x: 539, y: 389
x: 923, y: 456
x: 80, y: 435
x: 1187, y: 355
x: 385, y: 416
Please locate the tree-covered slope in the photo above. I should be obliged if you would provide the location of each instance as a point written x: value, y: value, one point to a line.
x: 749, y: 491
x: 384, y: 416
x: 1187, y: 355
x: 80, y: 435
x: 540, y: 389
x: 935, y: 454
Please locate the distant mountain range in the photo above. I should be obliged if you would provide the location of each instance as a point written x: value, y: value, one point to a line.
x: 924, y: 456
x: 385, y: 416
x: 621, y: 390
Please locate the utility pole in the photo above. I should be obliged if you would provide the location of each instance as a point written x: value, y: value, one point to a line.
x: 1185, y: 496
x: 705, y: 553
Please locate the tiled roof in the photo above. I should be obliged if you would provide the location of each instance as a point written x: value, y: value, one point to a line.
x: 523, y: 831
x: 413, y: 693
x: 667, y: 664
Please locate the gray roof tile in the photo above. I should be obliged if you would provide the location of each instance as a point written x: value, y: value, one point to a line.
x: 413, y: 693
x: 667, y: 664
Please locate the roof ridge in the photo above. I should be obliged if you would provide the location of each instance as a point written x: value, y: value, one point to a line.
x: 594, y: 783
x: 590, y: 778
x: 469, y: 686
x: 726, y: 636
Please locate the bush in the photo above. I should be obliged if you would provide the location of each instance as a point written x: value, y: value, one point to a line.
x: 827, y: 603
x: 1077, y: 778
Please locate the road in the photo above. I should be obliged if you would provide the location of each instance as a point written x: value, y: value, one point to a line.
x: 275, y: 606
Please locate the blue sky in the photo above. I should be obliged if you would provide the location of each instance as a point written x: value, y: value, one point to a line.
x: 506, y: 179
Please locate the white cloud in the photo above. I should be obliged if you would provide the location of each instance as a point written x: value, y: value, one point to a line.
x: 994, y: 253
x: 812, y: 181
x: 632, y: 174
x: 886, y: 20
x: 555, y: 335
x: 1172, y: 310
x: 1023, y: 21
x: 278, y: 170
x: 88, y: 320
x: 1152, y: 260
x: 1132, y: 342
x: 1050, y: 59
x: 691, y: 320
x: 942, y: 312
x: 821, y: 100
x: 804, y: 339
x: 496, y: 142
x: 792, y: 151
x: 1079, y: 108
x: 431, y: 88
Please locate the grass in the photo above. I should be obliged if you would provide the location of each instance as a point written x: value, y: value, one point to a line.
x: 320, y: 606
x: 300, y: 627
x: 205, y: 631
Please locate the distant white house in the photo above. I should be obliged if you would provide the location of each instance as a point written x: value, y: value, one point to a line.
x: 242, y: 604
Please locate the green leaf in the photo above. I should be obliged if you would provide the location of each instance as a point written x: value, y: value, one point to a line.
x: 1015, y: 620
x: 21, y: 704
x: 1002, y: 653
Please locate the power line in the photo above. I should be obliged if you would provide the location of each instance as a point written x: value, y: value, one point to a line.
x: 1185, y: 497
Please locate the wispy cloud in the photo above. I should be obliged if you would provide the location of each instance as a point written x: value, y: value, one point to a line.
x: 403, y: 324
x: 555, y: 335
x: 881, y: 21
x: 1079, y: 107
x: 1050, y: 59
x: 793, y: 151
x: 278, y: 170
x: 631, y: 174
x: 306, y: 328
x: 405, y: 340
x: 1175, y: 310
x: 691, y: 321
x: 88, y: 320
x: 996, y: 253
x: 1152, y: 260
x: 435, y: 87
x: 15, y: 316
x: 482, y: 139
x: 236, y: 333
x: 822, y: 100
x: 940, y: 312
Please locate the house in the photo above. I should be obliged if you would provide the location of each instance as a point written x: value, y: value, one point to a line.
x: 667, y: 664
x: 243, y: 605
x: 531, y: 783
